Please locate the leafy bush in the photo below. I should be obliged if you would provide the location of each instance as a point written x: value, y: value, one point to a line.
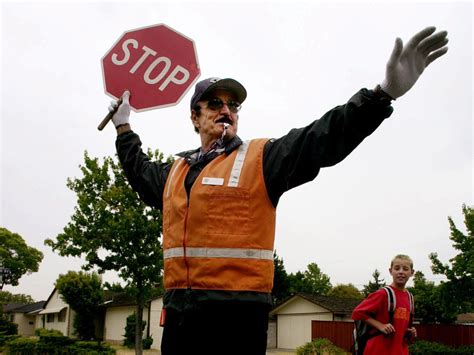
x: 51, y: 346
x: 21, y: 346
x: 7, y: 327
x: 6, y: 338
x: 319, y: 346
x: 45, y: 332
x: 428, y: 347
x: 56, y: 340
x: 465, y: 350
x: 90, y: 348
x: 147, y: 342
x: 129, y: 340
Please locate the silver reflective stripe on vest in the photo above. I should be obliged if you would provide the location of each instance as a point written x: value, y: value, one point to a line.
x: 234, y: 253
x: 171, y: 175
x: 238, y: 164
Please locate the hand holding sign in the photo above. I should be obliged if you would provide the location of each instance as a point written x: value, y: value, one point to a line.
x: 156, y: 64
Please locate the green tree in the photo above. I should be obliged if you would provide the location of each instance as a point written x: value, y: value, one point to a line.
x: 317, y: 282
x: 115, y: 287
x: 7, y: 297
x: 83, y: 292
x: 114, y: 230
x: 281, y: 282
x: 373, y: 286
x: 429, y: 305
x: 345, y: 291
x: 16, y: 258
x: 312, y: 281
x: 459, y: 287
x: 296, y: 282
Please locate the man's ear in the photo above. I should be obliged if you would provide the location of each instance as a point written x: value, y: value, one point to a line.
x: 194, y: 118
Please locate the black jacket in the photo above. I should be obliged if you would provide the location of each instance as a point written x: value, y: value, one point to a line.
x: 288, y: 162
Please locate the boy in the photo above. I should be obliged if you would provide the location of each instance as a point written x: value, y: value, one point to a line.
x: 374, y: 311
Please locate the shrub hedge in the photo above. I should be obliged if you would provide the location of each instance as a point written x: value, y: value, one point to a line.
x: 428, y: 347
x: 318, y: 347
x: 51, y: 343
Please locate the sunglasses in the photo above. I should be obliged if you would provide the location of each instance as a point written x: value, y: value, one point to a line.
x: 217, y: 104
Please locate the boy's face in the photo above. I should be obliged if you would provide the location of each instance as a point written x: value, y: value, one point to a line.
x: 401, y: 272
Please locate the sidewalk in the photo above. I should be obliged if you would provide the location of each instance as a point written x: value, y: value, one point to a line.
x: 280, y: 352
x: 157, y: 352
x: 124, y: 351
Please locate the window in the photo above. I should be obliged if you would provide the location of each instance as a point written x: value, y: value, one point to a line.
x: 50, y: 318
x: 62, y: 315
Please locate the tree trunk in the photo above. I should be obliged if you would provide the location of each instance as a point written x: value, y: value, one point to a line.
x: 138, y: 325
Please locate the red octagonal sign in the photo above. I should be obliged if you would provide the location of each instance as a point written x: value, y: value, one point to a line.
x: 156, y: 64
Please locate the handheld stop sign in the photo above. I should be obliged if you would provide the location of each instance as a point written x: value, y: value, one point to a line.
x: 157, y: 64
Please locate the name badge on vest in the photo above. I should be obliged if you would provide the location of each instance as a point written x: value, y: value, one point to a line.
x: 212, y: 181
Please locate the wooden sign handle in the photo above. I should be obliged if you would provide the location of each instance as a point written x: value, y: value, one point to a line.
x: 109, y: 116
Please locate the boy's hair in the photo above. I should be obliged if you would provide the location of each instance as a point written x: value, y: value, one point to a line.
x: 402, y: 257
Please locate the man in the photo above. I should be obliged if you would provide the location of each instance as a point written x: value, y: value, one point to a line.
x: 219, y: 200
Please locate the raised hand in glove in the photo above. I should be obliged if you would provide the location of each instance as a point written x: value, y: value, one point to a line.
x: 122, y: 115
x: 407, y: 62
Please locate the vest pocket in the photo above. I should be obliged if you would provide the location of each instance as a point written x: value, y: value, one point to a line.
x: 228, y: 211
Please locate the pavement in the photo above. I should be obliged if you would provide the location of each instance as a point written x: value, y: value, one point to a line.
x: 123, y: 351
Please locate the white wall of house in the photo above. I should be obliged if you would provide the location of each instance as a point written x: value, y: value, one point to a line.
x: 294, y: 322
x: 55, y: 319
x: 39, y: 319
x: 116, y: 320
x: 156, y: 332
x: 26, y: 324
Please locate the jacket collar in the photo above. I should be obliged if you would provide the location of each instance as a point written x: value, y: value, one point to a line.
x: 191, y: 156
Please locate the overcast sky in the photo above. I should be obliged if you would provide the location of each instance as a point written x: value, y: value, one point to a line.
x: 392, y: 195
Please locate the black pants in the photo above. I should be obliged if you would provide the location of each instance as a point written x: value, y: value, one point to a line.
x: 217, y: 327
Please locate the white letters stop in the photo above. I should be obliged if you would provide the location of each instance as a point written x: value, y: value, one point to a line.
x: 173, y: 77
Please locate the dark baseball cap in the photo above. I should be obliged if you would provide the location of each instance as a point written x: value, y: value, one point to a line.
x: 209, y: 85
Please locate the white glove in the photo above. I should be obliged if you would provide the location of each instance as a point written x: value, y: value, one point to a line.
x: 122, y: 114
x: 407, y: 63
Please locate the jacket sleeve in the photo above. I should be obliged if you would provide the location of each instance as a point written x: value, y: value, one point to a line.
x: 371, y: 307
x: 147, y: 178
x: 297, y: 157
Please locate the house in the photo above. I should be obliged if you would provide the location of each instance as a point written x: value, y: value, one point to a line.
x: 119, y: 306
x: 295, y: 315
x: 465, y: 318
x: 56, y: 315
x: 24, y: 315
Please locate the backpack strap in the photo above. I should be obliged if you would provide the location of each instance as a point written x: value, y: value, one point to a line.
x: 412, y: 309
x: 391, y: 302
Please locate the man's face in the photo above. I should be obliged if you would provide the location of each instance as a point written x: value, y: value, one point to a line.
x: 401, y: 272
x: 219, y: 109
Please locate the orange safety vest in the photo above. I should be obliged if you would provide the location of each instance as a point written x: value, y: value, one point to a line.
x: 221, y: 238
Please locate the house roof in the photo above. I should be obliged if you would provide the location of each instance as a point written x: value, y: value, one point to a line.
x: 11, y: 306
x: 24, y: 308
x: 52, y: 310
x: 118, y: 299
x: 113, y: 299
x: 465, y: 318
x: 333, y: 304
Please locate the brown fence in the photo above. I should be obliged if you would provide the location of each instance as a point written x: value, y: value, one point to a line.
x: 340, y: 333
